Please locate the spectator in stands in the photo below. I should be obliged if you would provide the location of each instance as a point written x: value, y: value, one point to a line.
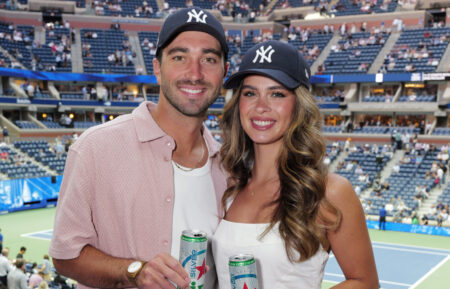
x: 158, y: 147
x: 445, y: 213
x: 320, y: 69
x: 437, y: 180
x: 17, y: 278
x: 414, y: 218
x: 350, y: 126
x: 359, y: 170
x: 22, y: 251
x: 4, y: 157
x: 440, y: 174
x: 390, y: 205
x: 440, y: 206
x: 5, y: 133
x: 93, y: 93
x: 443, y: 157
x: 357, y: 190
x: 65, y: 121
x: 46, y: 268
x: 30, y: 90
x: 424, y: 219
x: 5, y: 266
x: 35, y: 279
x: 439, y: 220
x: 385, y: 186
x: 60, y: 281
x: 367, y: 206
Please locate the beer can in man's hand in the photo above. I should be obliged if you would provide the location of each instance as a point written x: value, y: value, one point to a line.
x: 243, y: 273
x: 193, y: 246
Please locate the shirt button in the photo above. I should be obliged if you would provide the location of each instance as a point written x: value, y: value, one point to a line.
x: 165, y: 242
x: 168, y: 199
x: 168, y: 144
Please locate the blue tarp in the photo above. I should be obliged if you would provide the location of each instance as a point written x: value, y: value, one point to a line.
x: 151, y: 79
x: 408, y: 228
x: 84, y: 77
x: 22, y: 194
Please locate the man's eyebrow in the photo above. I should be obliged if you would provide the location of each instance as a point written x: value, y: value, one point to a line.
x: 176, y: 49
x: 213, y: 51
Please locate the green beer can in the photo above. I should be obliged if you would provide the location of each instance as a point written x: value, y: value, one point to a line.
x: 193, y: 247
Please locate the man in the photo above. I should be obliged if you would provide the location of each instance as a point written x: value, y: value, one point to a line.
x: 382, y: 220
x: 35, y: 279
x: 132, y: 185
x: 17, y: 278
x: 5, y: 135
x: 45, y: 269
x: 22, y: 251
x: 5, y: 266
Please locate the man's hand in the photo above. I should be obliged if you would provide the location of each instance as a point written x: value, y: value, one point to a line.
x: 159, y: 270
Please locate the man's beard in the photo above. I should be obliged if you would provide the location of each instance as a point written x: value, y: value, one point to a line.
x: 171, y: 97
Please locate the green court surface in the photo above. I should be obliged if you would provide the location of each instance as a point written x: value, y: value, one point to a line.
x: 32, y: 229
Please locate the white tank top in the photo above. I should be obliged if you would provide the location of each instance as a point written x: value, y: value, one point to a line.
x: 275, y: 271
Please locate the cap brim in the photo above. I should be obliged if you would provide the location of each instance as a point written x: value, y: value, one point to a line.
x: 196, y: 27
x: 277, y: 75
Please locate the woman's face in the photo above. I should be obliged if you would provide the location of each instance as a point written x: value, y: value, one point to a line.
x: 265, y: 108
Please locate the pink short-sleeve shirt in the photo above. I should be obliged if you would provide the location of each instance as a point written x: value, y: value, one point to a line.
x: 118, y: 189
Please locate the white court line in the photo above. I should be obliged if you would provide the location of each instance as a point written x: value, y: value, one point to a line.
x: 411, y: 250
x: 412, y: 246
x: 381, y: 281
x: 30, y: 235
x: 430, y: 272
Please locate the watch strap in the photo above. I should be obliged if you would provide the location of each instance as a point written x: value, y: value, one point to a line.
x: 132, y: 277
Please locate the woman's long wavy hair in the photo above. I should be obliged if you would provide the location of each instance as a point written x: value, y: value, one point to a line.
x: 301, y: 172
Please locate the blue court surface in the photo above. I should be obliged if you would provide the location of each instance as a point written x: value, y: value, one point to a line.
x: 399, y: 266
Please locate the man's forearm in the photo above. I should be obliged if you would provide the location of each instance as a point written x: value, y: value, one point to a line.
x: 94, y: 268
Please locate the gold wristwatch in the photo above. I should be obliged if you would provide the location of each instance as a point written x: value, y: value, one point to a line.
x: 133, y: 270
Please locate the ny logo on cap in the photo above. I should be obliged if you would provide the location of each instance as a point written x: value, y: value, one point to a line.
x: 193, y: 14
x: 264, y: 55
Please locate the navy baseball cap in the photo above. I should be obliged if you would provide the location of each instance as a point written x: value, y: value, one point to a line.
x: 191, y: 19
x: 275, y: 59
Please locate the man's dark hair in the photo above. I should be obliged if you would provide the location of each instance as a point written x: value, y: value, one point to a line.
x: 23, y: 248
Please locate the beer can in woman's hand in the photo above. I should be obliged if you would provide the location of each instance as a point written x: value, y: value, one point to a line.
x: 243, y: 273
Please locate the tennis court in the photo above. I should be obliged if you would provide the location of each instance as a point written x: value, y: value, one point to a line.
x: 404, y: 260
x: 399, y: 266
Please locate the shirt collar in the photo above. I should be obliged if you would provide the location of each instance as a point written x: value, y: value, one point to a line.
x: 146, y: 127
x: 148, y: 130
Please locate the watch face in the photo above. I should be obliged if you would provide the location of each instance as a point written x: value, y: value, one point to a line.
x: 134, y: 266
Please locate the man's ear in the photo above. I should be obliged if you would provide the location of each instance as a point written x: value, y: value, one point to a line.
x: 157, y: 69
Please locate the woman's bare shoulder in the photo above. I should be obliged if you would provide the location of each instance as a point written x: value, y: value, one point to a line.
x: 338, y: 187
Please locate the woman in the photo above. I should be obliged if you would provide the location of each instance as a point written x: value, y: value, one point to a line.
x: 282, y: 206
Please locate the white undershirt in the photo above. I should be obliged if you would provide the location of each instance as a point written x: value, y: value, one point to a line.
x: 195, y: 207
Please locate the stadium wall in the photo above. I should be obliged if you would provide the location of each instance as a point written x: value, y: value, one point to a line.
x: 411, y: 19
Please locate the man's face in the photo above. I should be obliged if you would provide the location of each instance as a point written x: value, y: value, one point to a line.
x: 191, y: 72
